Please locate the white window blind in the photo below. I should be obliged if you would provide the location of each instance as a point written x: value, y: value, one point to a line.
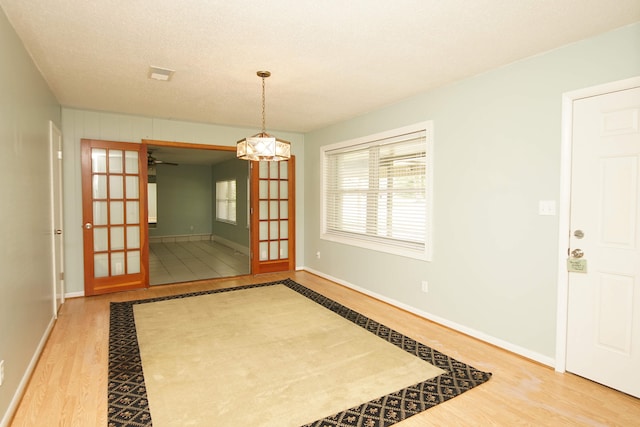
x: 226, y: 201
x: 376, y: 192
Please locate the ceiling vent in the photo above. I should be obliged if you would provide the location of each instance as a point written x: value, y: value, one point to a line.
x: 162, y: 74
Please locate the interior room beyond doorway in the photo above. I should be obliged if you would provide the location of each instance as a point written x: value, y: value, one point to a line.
x: 187, y: 242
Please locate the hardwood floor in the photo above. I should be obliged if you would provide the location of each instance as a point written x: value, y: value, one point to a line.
x: 69, y: 384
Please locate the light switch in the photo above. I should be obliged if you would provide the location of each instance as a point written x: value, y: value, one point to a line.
x: 547, y: 207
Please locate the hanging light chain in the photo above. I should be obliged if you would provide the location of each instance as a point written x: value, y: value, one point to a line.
x: 263, y: 109
x: 263, y: 75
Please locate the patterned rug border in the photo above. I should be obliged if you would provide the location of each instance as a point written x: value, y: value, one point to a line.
x: 127, y: 396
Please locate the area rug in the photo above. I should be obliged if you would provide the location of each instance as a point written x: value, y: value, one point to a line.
x: 271, y: 354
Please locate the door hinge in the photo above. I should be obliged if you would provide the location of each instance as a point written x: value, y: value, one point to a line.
x: 59, y: 155
x: 62, y: 275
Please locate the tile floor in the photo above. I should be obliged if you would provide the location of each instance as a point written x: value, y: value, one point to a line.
x: 189, y: 261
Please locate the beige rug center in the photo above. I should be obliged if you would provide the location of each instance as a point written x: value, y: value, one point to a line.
x: 263, y: 356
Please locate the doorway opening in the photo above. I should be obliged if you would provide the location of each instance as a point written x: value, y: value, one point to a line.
x: 188, y: 240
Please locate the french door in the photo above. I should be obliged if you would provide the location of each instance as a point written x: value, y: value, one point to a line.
x: 114, y: 216
x: 272, y: 216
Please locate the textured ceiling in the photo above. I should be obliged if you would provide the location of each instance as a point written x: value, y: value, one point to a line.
x: 330, y: 60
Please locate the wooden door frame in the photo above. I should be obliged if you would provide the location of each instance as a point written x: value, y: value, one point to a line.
x: 564, y: 205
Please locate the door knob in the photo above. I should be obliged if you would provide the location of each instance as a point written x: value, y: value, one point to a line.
x: 577, y: 253
x: 88, y: 226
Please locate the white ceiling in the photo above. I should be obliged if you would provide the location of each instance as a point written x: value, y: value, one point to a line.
x: 330, y: 60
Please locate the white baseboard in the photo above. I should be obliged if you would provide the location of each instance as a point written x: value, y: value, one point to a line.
x: 74, y: 294
x: 233, y: 245
x: 17, y: 396
x: 513, y: 348
x: 180, y: 238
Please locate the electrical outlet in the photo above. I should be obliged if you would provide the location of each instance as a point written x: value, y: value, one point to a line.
x: 425, y: 286
x: 1, y: 371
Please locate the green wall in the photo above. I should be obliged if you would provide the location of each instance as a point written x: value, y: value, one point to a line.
x: 496, y: 155
x: 26, y: 273
x: 184, y: 200
x: 187, y: 201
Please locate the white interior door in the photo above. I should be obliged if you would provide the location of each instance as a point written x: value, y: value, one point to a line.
x: 55, y: 139
x: 603, y: 323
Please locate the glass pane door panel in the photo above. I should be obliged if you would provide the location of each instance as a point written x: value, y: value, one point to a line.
x: 273, y: 230
x: 117, y: 263
x: 98, y: 160
x: 117, y: 212
x: 131, y: 162
x: 263, y: 171
x: 284, y: 249
x: 284, y: 229
x: 101, y: 265
x: 284, y: 170
x: 99, y: 187
x: 273, y: 193
x: 264, y: 230
x: 133, y: 262
x: 100, y: 215
x: 284, y: 189
x: 264, y: 251
x: 273, y: 209
x: 117, y: 238
x: 264, y: 209
x: 274, y: 168
x: 273, y: 250
x: 116, y: 190
x: 115, y: 161
x: 264, y: 189
x: 133, y: 237
x: 132, y: 187
x: 284, y: 209
x: 133, y: 212
x: 100, y: 239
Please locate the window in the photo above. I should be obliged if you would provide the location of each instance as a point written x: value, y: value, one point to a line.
x: 376, y: 191
x: 226, y: 201
x: 152, y: 201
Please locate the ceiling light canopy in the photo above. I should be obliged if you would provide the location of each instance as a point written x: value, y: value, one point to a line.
x: 263, y: 146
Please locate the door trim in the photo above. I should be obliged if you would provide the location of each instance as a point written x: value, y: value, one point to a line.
x: 564, y: 206
x: 57, y: 206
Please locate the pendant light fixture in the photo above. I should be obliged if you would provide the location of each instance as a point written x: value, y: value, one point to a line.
x: 263, y: 146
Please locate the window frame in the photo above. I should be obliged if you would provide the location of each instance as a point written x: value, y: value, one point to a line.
x: 363, y: 240
x: 228, y: 202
